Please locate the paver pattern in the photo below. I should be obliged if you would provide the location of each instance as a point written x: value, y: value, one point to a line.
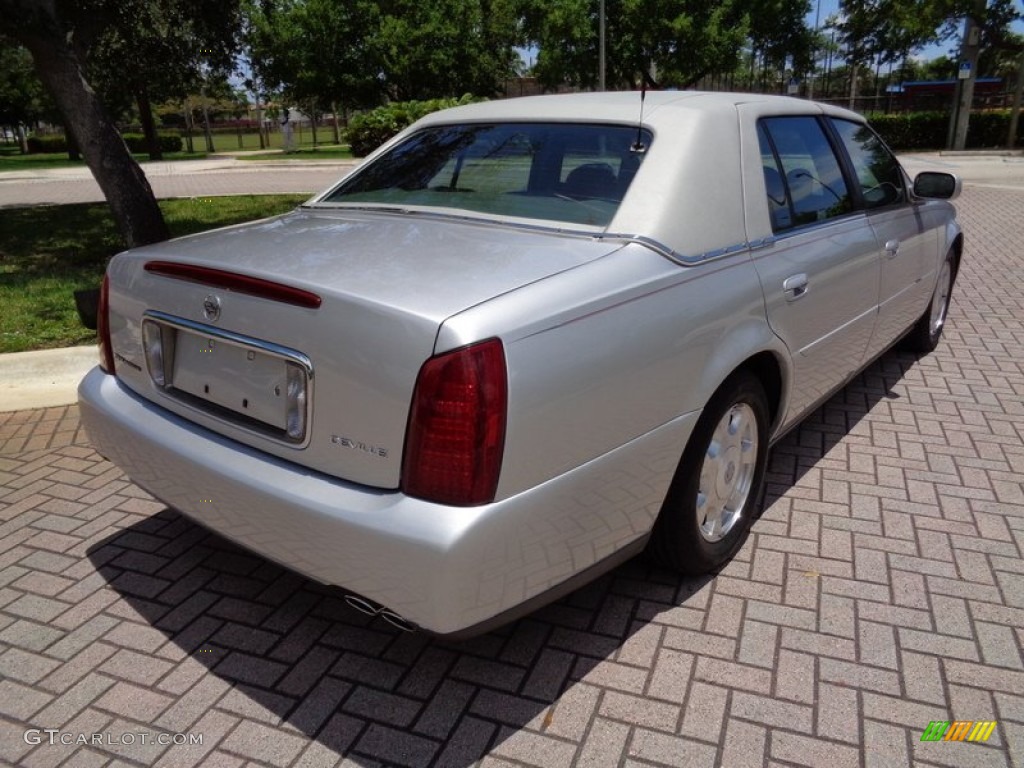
x: 882, y: 588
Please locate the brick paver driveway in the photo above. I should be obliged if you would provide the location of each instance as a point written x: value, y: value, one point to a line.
x: 882, y: 589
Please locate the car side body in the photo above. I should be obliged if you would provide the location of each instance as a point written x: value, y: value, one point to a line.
x: 273, y: 380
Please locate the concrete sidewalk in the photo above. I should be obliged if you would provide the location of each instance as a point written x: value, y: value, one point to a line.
x: 43, y: 379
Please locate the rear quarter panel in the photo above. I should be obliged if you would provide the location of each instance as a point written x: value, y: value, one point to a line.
x: 605, y: 354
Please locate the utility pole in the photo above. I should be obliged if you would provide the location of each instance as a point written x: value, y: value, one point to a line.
x: 967, y: 74
x: 1011, y: 135
x: 601, y: 52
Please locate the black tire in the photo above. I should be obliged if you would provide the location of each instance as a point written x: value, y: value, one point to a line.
x: 924, y: 336
x: 684, y: 537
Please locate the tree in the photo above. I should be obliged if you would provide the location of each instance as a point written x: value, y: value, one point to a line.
x: 684, y: 40
x: 317, y: 51
x: 175, y: 47
x: 892, y: 29
x: 779, y: 34
x: 22, y: 101
x: 324, y: 54
x: 53, y: 33
x: 447, y: 47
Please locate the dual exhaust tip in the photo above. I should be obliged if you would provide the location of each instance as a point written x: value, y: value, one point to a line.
x: 370, y: 608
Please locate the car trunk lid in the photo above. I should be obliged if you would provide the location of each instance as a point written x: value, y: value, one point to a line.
x: 233, y: 344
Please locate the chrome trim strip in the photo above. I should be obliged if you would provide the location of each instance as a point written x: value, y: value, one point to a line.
x: 686, y: 260
x: 286, y: 354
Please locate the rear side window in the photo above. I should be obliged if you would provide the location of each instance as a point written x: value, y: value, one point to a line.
x: 878, y: 173
x: 573, y: 173
x: 803, y: 179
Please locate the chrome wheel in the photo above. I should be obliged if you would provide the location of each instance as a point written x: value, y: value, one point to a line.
x: 727, y: 473
x: 940, y: 300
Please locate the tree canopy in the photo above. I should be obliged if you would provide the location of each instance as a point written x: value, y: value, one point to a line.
x: 360, y: 52
x: 683, y: 40
x: 889, y: 30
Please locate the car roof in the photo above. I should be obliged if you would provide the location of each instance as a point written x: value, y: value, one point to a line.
x: 685, y: 196
x: 659, y: 107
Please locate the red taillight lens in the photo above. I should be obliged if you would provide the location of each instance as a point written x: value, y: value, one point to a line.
x: 103, y: 328
x: 456, y: 434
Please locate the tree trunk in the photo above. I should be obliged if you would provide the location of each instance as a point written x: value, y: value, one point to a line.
x: 206, y: 123
x: 120, y: 178
x: 74, y: 153
x: 187, y: 114
x: 148, y: 126
x: 22, y: 138
x: 337, y: 132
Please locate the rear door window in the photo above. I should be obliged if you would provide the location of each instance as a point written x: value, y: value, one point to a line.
x: 803, y: 178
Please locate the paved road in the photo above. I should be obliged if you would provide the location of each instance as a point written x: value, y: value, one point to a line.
x: 187, y: 178
x: 882, y: 589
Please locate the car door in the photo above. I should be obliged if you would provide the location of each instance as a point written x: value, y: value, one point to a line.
x: 820, y: 273
x: 906, y: 278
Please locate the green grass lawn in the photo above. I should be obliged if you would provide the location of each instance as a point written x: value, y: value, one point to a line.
x: 47, y: 252
x: 14, y: 161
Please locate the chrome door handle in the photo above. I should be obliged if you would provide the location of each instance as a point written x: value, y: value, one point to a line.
x: 892, y: 248
x: 795, y: 287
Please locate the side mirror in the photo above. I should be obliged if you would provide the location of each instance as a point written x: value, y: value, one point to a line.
x: 937, y: 185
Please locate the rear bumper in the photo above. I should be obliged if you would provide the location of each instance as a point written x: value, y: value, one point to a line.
x: 443, y: 568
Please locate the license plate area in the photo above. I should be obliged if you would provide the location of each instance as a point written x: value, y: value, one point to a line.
x: 249, y: 383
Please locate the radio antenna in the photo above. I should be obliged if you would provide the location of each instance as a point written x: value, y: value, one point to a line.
x: 638, y: 147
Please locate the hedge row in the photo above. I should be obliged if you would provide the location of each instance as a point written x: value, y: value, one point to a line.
x: 928, y: 130
x: 170, y: 141
x: 369, y: 130
x: 39, y: 144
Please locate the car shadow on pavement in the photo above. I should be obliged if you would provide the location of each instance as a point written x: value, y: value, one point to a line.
x: 304, y: 670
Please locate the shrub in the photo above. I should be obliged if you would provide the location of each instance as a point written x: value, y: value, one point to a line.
x: 913, y: 130
x: 40, y: 144
x: 368, y: 130
x: 170, y: 141
x: 928, y: 130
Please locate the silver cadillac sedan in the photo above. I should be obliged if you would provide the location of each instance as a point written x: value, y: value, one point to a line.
x: 524, y: 341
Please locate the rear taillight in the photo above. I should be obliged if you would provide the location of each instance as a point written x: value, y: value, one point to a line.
x: 103, y: 328
x: 456, y: 434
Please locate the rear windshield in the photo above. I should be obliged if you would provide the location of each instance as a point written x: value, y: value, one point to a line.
x: 561, y: 172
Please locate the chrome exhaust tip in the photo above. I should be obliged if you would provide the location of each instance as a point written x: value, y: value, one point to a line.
x: 370, y: 608
x: 400, y: 622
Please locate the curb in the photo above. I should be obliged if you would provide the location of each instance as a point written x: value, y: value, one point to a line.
x: 43, y: 379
